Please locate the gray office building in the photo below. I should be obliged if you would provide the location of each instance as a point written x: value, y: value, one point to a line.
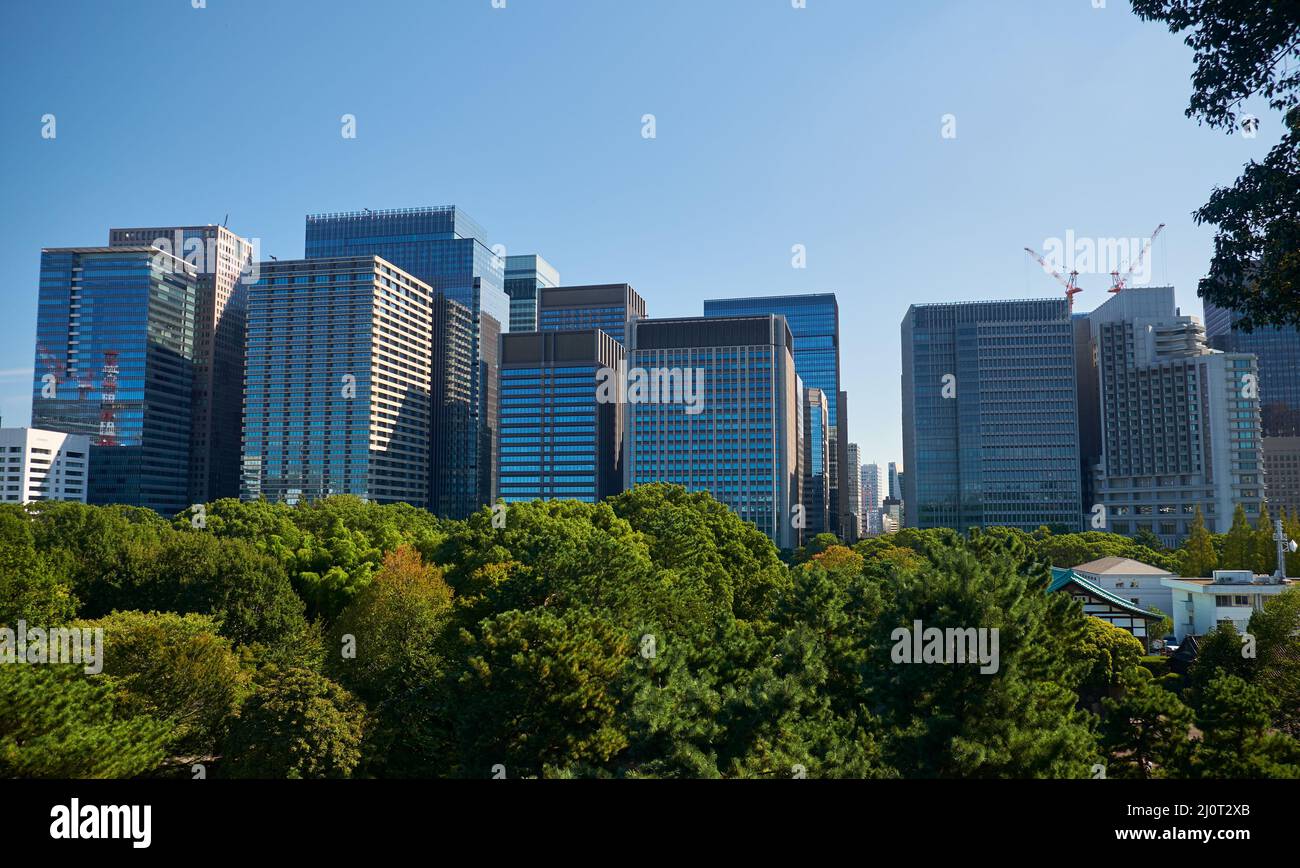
x: 1181, y: 426
x: 1277, y: 351
x: 607, y: 307
x: 990, y: 431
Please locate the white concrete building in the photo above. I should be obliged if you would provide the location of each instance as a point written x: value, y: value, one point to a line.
x: 1232, y: 596
x: 42, y: 465
x: 1139, y: 583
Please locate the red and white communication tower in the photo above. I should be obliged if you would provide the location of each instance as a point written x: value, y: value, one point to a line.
x: 1071, y: 286
x: 1119, y: 284
x: 108, y: 401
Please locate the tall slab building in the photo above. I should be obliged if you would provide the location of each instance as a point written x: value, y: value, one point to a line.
x: 815, y: 491
x: 222, y: 262
x: 1278, y: 353
x: 1181, y: 426
x: 444, y: 248
x: 340, y: 372
x: 740, y: 440
x: 990, y: 416
x: 814, y: 320
x: 559, y: 439
x: 115, y: 353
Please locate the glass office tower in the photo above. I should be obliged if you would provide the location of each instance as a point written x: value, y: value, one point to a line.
x: 607, y: 307
x: 1277, y: 351
x: 448, y: 251
x: 338, y: 396
x: 814, y: 320
x: 990, y: 416
x: 222, y: 260
x: 115, y: 335
x: 816, y: 463
x: 558, y: 440
x: 741, y: 440
x: 525, y: 277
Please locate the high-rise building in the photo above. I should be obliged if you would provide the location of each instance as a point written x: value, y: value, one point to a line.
x: 38, y: 465
x: 607, y: 307
x: 816, y: 494
x: 447, y: 250
x: 814, y: 320
x: 340, y: 368
x: 990, y: 419
x: 115, y: 335
x: 221, y: 260
x: 734, y: 432
x: 559, y: 439
x: 894, y: 489
x: 871, y: 499
x: 1180, y: 422
x: 1278, y: 353
x: 853, y: 478
x: 452, y: 459
x: 525, y: 277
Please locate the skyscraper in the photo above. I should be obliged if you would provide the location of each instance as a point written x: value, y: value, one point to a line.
x: 735, y: 432
x: 221, y: 261
x: 816, y: 491
x: 559, y: 440
x: 607, y: 307
x: 814, y: 320
x: 853, y: 478
x: 1181, y: 423
x: 990, y: 419
x: 525, y: 277
x: 447, y: 250
x: 115, y: 336
x: 871, y: 498
x: 1278, y: 353
x: 340, y: 368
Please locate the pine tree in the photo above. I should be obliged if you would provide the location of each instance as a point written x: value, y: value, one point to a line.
x: 1240, y: 543
x: 1197, y: 558
x: 1265, y: 549
x: 1146, y: 730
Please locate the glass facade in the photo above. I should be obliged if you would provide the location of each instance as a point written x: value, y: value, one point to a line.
x: 607, y: 307
x: 990, y: 423
x: 222, y: 260
x: 338, y: 394
x: 1278, y: 353
x: 448, y: 251
x: 814, y: 320
x: 525, y: 277
x: 557, y: 440
x: 816, y: 463
x: 742, y: 447
x: 115, y: 337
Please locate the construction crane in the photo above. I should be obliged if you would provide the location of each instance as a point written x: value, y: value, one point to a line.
x: 1119, y: 284
x: 1071, y: 286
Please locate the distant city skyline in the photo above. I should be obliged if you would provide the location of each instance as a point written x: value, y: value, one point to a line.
x: 764, y: 153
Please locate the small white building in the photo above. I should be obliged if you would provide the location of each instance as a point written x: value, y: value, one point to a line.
x: 43, y: 465
x: 1139, y: 583
x: 1232, y: 596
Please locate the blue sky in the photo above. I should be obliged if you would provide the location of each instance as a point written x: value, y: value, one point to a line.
x: 775, y: 127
